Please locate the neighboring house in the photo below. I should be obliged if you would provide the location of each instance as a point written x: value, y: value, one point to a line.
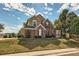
x: 58, y: 33
x: 1, y: 35
x: 37, y: 26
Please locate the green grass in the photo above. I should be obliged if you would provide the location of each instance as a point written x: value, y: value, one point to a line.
x: 48, y: 43
x: 29, y: 44
x: 11, y: 46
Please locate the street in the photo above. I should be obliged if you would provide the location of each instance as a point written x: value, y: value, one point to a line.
x: 73, y: 54
x: 69, y: 53
x: 57, y: 52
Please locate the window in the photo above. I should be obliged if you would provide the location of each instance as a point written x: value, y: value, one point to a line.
x: 34, y: 23
x: 40, y: 32
x: 47, y: 23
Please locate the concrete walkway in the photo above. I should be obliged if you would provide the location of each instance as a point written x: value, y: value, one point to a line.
x: 47, y: 52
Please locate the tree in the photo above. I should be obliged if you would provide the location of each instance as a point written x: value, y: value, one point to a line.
x: 62, y: 18
x: 69, y: 20
x: 1, y: 27
x: 63, y: 15
x: 13, y: 34
x: 57, y: 24
x: 74, y: 29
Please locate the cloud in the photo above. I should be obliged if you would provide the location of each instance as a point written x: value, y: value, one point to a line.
x: 45, y: 4
x: 11, y: 15
x: 50, y: 13
x: 18, y: 18
x: 70, y: 6
x: 52, y: 3
x: 31, y: 11
x: 78, y: 14
x: 20, y: 7
x: 48, y: 8
x: 7, y: 5
x: 27, y: 14
x: 7, y: 9
x: 64, y: 6
x: 45, y: 12
x: 7, y: 29
x: 3, y: 22
x: 74, y: 6
x: 11, y: 29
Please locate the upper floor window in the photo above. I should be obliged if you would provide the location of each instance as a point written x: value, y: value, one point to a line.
x: 47, y: 23
x: 34, y: 23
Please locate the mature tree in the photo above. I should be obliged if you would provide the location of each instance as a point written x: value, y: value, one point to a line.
x: 1, y: 27
x: 63, y: 15
x: 13, y: 34
x: 62, y: 19
x: 57, y: 24
x: 74, y: 28
x: 69, y: 20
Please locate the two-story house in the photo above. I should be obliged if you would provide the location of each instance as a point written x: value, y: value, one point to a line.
x: 37, y: 26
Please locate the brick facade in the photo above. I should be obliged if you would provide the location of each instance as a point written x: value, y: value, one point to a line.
x: 42, y: 27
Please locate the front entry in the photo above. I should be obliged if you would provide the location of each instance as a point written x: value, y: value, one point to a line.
x: 40, y: 32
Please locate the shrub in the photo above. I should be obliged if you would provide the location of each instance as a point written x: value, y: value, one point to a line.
x: 49, y: 36
x: 72, y: 44
x: 34, y: 42
x: 38, y: 37
x: 5, y: 36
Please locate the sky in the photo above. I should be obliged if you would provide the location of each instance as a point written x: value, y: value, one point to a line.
x: 13, y: 15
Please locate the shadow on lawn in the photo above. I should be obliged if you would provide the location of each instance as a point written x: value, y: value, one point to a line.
x: 42, y: 42
x: 72, y: 44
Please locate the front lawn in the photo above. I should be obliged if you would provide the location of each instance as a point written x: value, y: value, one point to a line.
x: 29, y: 44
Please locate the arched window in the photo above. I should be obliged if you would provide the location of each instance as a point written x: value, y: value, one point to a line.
x: 40, y: 32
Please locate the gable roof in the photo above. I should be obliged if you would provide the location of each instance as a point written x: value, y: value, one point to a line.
x: 47, y: 20
x: 37, y: 17
x: 34, y: 28
x: 41, y: 26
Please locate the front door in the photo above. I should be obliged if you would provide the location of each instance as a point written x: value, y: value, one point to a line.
x: 40, y: 32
